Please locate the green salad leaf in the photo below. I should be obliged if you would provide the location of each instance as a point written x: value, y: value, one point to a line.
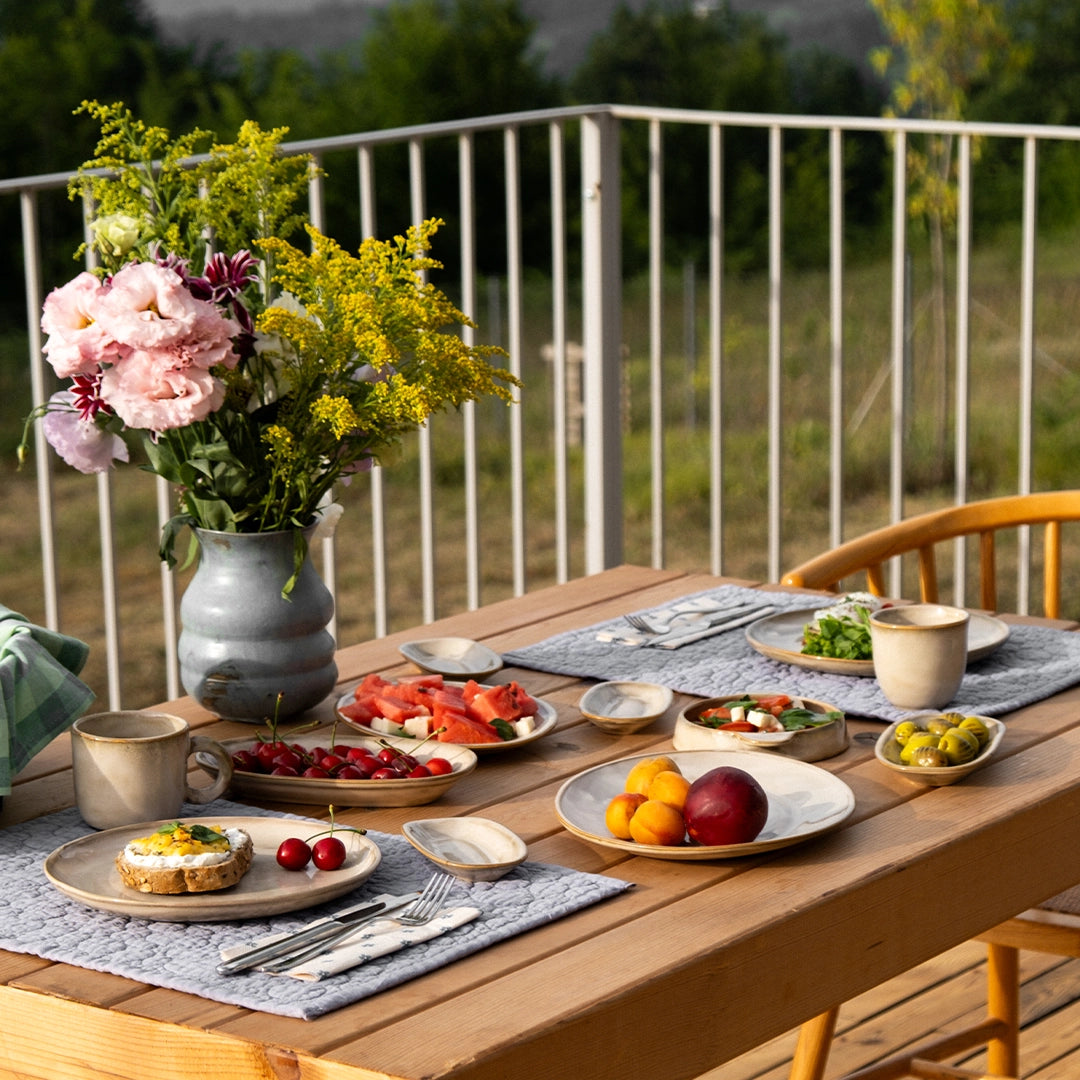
x: 846, y: 638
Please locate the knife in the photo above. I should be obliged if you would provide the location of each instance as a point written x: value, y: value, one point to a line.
x: 715, y: 626
x: 318, y: 931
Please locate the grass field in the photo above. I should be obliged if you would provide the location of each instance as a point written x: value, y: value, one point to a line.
x: 994, y: 453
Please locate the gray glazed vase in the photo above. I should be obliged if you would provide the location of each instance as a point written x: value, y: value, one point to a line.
x: 242, y: 643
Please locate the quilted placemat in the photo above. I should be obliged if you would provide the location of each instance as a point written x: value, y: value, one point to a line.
x: 1034, y: 663
x: 36, y: 918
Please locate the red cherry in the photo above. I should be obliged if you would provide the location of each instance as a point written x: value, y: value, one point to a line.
x: 385, y: 774
x: 420, y: 770
x: 293, y: 853
x: 245, y: 761
x: 439, y: 766
x: 290, y: 758
x: 328, y: 853
x: 358, y: 753
x: 315, y: 773
x: 349, y: 772
x: 267, y: 751
x: 283, y: 770
x: 387, y: 756
x: 330, y: 762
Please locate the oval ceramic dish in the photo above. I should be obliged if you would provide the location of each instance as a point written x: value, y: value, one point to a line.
x: 887, y: 751
x: 810, y: 744
x: 455, y: 656
x: 804, y: 801
x: 622, y: 708
x: 302, y: 789
x: 470, y: 848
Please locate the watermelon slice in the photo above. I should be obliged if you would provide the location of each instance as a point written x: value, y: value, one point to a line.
x: 463, y: 729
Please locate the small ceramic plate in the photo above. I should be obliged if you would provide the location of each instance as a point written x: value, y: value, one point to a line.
x: 887, y: 751
x: 455, y: 656
x: 546, y: 718
x: 624, y: 707
x: 85, y: 870
x: 779, y: 637
x: 302, y: 789
x: 804, y: 801
x: 470, y: 848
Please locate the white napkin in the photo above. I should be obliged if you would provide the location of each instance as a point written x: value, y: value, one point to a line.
x: 376, y: 939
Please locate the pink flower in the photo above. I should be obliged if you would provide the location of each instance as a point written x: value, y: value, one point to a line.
x: 81, y: 443
x: 162, y: 388
x: 77, y: 342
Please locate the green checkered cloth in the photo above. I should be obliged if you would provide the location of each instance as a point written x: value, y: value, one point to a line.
x: 40, y: 695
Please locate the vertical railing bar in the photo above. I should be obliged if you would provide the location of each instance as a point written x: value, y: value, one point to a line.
x: 31, y: 239
x: 1027, y: 362
x: 776, y: 260
x: 896, y: 474
x: 836, y: 337
x: 963, y: 353
x: 514, y: 343
x: 556, y: 134
x: 656, y: 342
x: 716, y: 348
x: 467, y: 208
x: 427, y: 487
x: 379, y: 585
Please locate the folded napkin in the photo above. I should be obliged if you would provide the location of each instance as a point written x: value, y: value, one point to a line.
x: 688, y: 624
x: 380, y: 938
x: 40, y: 694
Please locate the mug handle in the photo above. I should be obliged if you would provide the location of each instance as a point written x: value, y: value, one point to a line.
x: 200, y: 744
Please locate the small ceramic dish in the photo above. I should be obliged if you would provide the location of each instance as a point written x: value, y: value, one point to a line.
x: 807, y: 744
x: 622, y: 708
x: 455, y: 656
x: 887, y: 751
x: 470, y: 848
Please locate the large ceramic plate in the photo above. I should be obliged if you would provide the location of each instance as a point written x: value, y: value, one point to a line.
x: 804, y: 801
x: 779, y: 637
x: 85, y: 870
x: 546, y: 719
x: 303, y: 789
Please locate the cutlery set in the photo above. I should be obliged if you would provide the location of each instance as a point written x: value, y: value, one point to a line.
x: 689, y: 626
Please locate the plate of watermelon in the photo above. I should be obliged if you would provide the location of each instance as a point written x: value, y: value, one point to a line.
x: 477, y: 715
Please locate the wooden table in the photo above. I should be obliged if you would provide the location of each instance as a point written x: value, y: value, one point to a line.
x: 698, y: 963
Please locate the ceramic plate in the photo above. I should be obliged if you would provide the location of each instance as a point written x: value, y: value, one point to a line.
x: 85, y: 870
x: 804, y: 801
x: 546, y: 718
x: 624, y: 707
x: 303, y: 789
x: 470, y: 848
x: 779, y: 637
x: 454, y: 656
x: 887, y: 751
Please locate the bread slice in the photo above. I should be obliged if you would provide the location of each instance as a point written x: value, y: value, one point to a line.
x: 171, y: 880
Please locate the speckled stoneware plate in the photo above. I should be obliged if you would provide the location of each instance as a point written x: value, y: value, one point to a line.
x: 621, y: 708
x: 887, y: 751
x: 470, y: 848
x: 455, y: 656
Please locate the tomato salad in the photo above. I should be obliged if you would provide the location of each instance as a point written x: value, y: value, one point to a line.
x: 766, y: 712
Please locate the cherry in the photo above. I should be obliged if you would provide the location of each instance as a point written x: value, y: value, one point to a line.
x: 349, y: 772
x: 330, y: 762
x: 439, y: 766
x: 420, y: 770
x: 293, y: 853
x: 246, y: 761
x: 313, y: 772
x: 290, y: 758
x: 358, y: 753
x: 387, y: 756
x: 283, y: 770
x: 385, y: 774
x: 328, y: 853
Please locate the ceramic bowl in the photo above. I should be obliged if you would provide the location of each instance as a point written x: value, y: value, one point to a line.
x: 457, y: 657
x: 810, y: 744
x: 887, y: 751
x: 622, y: 708
x: 470, y: 848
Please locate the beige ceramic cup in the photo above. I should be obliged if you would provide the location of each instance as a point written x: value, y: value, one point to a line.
x: 133, y: 766
x: 920, y: 653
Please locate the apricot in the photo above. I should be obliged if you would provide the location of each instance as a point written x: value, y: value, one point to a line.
x: 656, y: 822
x: 619, y: 812
x: 670, y: 787
x: 641, y: 775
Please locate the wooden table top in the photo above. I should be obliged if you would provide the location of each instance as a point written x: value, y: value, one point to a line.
x: 698, y: 963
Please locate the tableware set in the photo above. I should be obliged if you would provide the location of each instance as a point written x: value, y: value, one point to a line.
x: 622, y: 708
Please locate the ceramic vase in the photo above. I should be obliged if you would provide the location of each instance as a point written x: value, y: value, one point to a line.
x: 242, y: 643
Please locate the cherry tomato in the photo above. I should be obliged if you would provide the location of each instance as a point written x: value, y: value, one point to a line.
x: 328, y: 853
x: 737, y: 725
x: 439, y: 766
x: 293, y: 853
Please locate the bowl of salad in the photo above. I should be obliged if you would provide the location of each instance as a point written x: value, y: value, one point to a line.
x: 782, y: 723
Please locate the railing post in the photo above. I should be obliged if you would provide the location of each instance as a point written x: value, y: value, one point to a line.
x: 601, y: 297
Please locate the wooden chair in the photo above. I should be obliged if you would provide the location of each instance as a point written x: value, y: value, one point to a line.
x: 1053, y: 927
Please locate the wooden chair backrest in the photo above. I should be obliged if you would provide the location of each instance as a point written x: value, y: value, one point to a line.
x: 924, y: 532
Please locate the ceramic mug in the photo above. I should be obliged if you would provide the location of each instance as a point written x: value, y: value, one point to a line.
x: 132, y: 766
x: 920, y: 653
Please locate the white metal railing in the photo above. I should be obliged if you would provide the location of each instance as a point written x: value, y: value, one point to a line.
x: 597, y: 216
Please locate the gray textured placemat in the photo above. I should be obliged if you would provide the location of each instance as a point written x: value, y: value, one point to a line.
x: 36, y: 918
x: 1034, y: 663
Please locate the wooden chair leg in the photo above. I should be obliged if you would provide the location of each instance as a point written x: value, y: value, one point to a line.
x: 812, y: 1049
x: 1003, y: 1003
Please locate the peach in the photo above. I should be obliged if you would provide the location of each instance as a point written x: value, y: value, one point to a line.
x: 669, y: 787
x: 641, y: 774
x: 656, y: 822
x: 619, y: 812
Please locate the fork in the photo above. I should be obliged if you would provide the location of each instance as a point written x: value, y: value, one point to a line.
x: 662, y: 626
x: 422, y: 910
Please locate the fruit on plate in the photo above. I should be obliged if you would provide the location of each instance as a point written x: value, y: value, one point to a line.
x: 642, y: 774
x: 671, y: 787
x: 725, y: 806
x: 180, y: 858
x: 328, y: 853
x: 277, y: 758
x: 940, y: 741
x: 619, y: 812
x: 420, y: 706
